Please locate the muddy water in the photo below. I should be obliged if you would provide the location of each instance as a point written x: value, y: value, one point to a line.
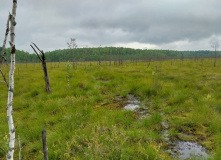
x: 188, y: 149
x: 178, y: 149
x: 183, y: 149
x: 132, y: 103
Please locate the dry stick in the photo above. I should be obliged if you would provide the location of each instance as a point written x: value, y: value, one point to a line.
x: 44, y: 142
x: 4, y: 78
x: 12, y: 129
x: 19, y: 144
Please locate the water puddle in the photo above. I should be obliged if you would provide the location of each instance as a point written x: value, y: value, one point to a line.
x: 178, y: 149
x: 183, y: 149
x: 131, y: 107
x: 132, y: 103
x: 186, y: 150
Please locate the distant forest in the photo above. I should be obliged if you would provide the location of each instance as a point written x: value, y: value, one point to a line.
x: 107, y: 54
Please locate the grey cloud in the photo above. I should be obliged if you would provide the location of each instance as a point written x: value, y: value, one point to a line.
x: 107, y: 22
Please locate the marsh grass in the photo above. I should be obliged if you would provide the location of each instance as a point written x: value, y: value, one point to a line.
x: 84, y: 120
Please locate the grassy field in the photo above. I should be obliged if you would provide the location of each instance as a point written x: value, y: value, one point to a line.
x: 86, y: 119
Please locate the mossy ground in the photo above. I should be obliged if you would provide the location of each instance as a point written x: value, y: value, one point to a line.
x: 85, y: 120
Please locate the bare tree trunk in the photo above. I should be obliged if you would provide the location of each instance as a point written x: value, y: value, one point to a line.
x: 11, y: 85
x: 43, y: 61
x: 47, y: 83
x: 215, y: 59
x: 44, y: 142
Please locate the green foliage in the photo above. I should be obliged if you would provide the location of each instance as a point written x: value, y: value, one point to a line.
x: 106, y: 54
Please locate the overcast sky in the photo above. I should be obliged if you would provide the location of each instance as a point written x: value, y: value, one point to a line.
x: 150, y: 24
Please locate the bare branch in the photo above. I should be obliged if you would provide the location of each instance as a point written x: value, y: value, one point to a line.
x: 215, y: 43
x: 4, y: 43
x: 6, y: 34
x: 4, y: 77
x: 3, y: 150
x: 36, y: 53
x: 38, y: 48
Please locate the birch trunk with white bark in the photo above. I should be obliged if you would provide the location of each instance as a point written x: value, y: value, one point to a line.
x: 12, y: 129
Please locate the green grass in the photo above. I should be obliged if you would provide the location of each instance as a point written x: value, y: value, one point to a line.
x: 86, y: 121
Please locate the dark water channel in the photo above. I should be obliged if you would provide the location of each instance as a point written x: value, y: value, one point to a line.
x: 178, y: 149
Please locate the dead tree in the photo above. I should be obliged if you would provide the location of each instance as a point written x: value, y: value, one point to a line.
x: 72, y: 45
x: 182, y: 57
x: 214, y: 44
x: 41, y: 56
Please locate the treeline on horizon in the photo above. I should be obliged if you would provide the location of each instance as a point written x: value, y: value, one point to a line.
x: 106, y: 54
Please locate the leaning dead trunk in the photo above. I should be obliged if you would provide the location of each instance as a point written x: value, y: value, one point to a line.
x: 47, y: 83
x: 11, y: 85
x: 41, y: 56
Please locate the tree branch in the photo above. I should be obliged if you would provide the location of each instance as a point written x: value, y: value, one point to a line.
x: 4, y: 43
x: 3, y: 150
x: 38, y: 48
x: 4, y: 77
x: 36, y: 53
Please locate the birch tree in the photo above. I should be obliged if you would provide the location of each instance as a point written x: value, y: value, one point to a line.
x: 12, y: 129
